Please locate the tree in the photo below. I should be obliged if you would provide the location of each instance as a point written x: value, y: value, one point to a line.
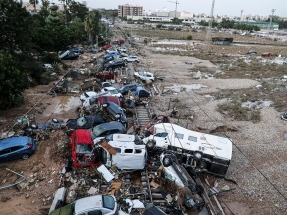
x: 77, y: 10
x: 13, y: 81
x: 92, y: 24
x: 15, y: 28
x: 34, y: 3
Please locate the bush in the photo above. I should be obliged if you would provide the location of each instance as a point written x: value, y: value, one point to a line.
x: 189, y: 37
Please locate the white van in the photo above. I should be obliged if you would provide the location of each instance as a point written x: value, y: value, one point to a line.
x: 205, y: 152
x: 122, y: 154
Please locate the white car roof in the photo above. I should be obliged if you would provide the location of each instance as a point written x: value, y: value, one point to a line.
x: 110, y: 88
x: 88, y: 203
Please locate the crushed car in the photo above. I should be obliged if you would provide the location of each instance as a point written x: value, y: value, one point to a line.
x: 82, y: 149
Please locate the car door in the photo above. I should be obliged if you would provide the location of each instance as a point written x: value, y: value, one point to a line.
x: 161, y: 140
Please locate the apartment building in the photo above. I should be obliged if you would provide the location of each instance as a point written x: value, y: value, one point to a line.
x: 129, y: 10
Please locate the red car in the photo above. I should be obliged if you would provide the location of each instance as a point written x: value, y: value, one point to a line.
x: 118, y: 42
x: 82, y: 149
x: 105, y: 75
x: 104, y: 99
x: 266, y: 54
x: 106, y: 47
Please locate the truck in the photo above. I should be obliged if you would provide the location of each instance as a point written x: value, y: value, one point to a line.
x: 206, y: 152
x: 119, y: 150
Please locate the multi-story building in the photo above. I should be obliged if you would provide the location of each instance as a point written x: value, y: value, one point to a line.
x: 129, y: 10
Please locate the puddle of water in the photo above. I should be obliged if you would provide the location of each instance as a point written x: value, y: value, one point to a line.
x: 257, y: 104
x: 61, y: 104
x: 169, y: 49
x: 178, y: 88
x: 67, y: 103
x: 176, y: 42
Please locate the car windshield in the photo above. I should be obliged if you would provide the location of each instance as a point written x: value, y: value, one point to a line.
x: 108, y: 202
x: 97, y: 130
x: 113, y: 91
x: 143, y: 73
x: 84, y: 148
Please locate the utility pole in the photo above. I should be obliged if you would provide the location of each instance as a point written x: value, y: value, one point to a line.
x: 210, y: 23
x: 241, y: 16
x: 272, y: 12
x: 176, y: 3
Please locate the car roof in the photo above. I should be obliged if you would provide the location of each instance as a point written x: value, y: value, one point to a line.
x: 110, y: 88
x: 88, y: 203
x: 14, y: 141
x: 83, y: 136
x: 111, y: 125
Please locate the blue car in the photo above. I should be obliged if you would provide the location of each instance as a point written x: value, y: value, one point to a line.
x: 16, y: 147
x: 110, y: 54
x: 141, y: 92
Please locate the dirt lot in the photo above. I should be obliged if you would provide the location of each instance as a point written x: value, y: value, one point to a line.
x: 197, y: 80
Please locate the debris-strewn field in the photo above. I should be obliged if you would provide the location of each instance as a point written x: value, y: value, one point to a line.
x: 214, y: 89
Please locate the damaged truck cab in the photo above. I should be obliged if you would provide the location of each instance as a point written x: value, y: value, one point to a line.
x: 122, y: 151
x: 205, y: 152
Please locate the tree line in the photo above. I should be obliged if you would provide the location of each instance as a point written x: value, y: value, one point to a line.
x: 28, y: 39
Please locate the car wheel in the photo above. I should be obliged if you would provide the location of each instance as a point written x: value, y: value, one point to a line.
x: 197, y: 156
x: 137, y: 61
x: 25, y: 156
x: 166, y: 161
x: 150, y: 144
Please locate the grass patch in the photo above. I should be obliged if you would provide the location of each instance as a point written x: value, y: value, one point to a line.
x: 235, y: 111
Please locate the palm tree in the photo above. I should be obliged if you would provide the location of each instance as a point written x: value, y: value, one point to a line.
x: 92, y: 24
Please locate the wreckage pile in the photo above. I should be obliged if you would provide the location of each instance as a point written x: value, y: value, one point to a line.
x: 118, y: 150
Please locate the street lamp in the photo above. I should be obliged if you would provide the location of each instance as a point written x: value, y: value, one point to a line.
x: 272, y: 12
x: 241, y: 16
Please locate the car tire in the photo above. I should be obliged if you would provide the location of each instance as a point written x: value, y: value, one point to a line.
x: 136, y: 61
x: 166, y: 161
x: 150, y: 144
x: 197, y: 156
x: 25, y: 156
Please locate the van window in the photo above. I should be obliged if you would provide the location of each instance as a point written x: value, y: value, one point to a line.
x: 138, y: 151
x: 192, y: 138
x: 179, y: 136
x: 164, y: 134
x: 128, y: 151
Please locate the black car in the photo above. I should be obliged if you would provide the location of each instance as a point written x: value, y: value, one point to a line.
x: 115, y: 64
x: 105, y: 129
x: 77, y: 50
x: 128, y: 87
x: 115, y: 112
x: 85, y: 122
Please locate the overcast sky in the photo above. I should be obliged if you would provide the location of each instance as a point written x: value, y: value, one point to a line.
x: 222, y: 7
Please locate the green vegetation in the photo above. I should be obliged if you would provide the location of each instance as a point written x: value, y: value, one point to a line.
x: 237, y: 112
x: 29, y: 40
